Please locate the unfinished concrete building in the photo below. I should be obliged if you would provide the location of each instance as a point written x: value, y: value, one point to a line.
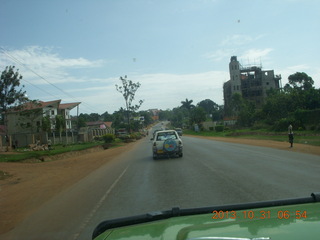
x: 251, y: 82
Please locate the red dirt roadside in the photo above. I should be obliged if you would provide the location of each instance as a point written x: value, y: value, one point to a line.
x: 30, y: 184
x: 303, y: 148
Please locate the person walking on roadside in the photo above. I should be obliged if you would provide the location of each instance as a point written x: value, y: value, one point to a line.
x: 290, y: 135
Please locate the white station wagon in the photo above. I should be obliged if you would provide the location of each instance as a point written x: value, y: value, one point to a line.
x: 167, y: 143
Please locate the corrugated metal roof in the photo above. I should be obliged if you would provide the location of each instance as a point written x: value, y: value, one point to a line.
x: 68, y: 105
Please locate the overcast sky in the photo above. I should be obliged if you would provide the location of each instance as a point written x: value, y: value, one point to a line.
x: 177, y: 49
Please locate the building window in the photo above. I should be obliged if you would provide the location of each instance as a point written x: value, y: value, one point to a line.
x: 237, y: 87
x: 267, y: 83
x: 52, y: 112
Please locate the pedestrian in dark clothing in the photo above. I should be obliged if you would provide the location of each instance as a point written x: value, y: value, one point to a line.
x: 290, y: 135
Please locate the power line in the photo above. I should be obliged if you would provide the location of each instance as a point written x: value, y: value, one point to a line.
x: 34, y: 72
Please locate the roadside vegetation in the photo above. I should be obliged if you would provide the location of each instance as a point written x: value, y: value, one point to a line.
x: 107, y: 141
x: 21, y: 154
x: 303, y: 137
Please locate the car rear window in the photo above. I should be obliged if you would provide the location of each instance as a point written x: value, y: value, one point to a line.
x: 166, y: 135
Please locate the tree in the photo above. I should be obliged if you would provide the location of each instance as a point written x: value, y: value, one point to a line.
x: 107, y: 117
x: 92, y: 117
x: 81, y: 122
x: 312, y: 99
x: 243, y: 110
x: 187, y: 104
x: 177, y: 117
x: 46, y: 124
x: 60, y: 124
x: 10, y: 95
x: 147, y: 117
x: 300, y: 81
x: 128, y: 91
x: 236, y: 104
x: 118, y: 119
x: 198, y: 115
x: 29, y: 115
x: 208, y: 105
x: 218, y: 114
x: 212, y: 109
x: 165, y: 115
x: 246, y: 117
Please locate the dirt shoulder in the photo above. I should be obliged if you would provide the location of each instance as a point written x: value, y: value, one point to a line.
x: 30, y: 184
x: 303, y: 148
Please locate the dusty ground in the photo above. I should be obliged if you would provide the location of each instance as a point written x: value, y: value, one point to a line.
x: 30, y: 184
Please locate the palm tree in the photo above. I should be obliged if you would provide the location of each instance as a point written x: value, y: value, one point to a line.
x: 187, y: 104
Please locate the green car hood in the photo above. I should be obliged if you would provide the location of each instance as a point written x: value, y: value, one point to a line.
x: 299, y: 221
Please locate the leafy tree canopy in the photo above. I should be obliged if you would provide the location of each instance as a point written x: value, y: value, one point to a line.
x: 208, y: 105
x: 300, y: 81
x: 198, y: 115
x: 10, y: 94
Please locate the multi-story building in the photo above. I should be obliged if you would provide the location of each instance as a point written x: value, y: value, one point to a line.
x: 28, y: 119
x: 251, y: 82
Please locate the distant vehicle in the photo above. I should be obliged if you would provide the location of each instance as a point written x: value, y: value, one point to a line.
x: 179, y: 131
x: 167, y: 143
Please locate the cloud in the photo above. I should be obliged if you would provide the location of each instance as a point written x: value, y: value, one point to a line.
x: 251, y: 55
x: 159, y: 90
x: 162, y: 90
x: 220, y: 54
x: 39, y: 63
x: 255, y: 55
x: 44, y: 57
x: 238, y: 39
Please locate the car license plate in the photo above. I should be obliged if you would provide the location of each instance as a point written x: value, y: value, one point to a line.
x: 160, y: 151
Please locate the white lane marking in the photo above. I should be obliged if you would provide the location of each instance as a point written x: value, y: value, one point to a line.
x: 98, y: 205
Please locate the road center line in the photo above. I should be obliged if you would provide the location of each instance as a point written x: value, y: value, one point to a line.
x: 98, y: 205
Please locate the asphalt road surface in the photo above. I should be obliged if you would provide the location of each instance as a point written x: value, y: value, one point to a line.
x: 210, y: 173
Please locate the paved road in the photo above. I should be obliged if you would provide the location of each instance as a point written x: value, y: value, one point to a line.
x: 210, y: 173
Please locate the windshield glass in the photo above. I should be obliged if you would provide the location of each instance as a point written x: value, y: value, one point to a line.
x: 86, y: 86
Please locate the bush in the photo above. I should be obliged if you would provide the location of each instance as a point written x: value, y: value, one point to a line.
x: 135, y: 136
x: 219, y: 128
x: 108, y: 138
x: 283, y: 123
x: 259, y: 125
